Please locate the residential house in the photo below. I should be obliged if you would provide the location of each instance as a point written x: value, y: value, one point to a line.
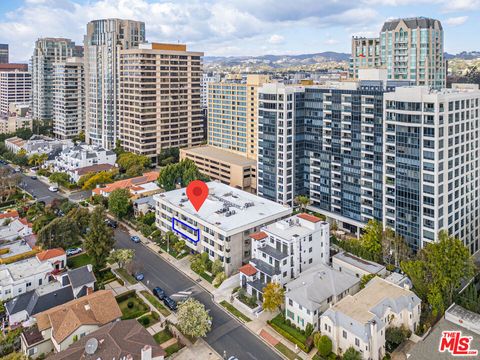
x: 360, y: 321
x: 138, y: 186
x: 282, y: 250
x: 76, y: 174
x: 57, y: 257
x: 317, y: 288
x: 70, y: 285
x: 58, y: 328
x: 82, y: 155
x: 143, y: 205
x: 8, y: 216
x: 125, y: 339
x: 15, y: 229
x: 357, y: 266
x: 38, y: 144
x: 22, y: 276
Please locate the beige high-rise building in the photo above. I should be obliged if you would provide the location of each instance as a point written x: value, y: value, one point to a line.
x: 103, y: 42
x: 232, y: 115
x: 365, y: 54
x: 159, y: 98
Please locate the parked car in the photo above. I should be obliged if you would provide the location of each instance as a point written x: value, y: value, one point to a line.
x: 170, y: 303
x: 73, y: 251
x: 112, y: 223
x: 33, y: 177
x: 139, y: 276
x: 135, y: 239
x: 53, y: 188
x: 159, y: 293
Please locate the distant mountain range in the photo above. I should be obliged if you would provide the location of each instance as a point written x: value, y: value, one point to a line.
x: 303, y: 59
x: 277, y: 60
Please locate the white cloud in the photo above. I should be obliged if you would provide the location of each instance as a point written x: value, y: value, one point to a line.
x: 455, y: 21
x: 331, y: 41
x: 276, y: 39
x: 461, y: 5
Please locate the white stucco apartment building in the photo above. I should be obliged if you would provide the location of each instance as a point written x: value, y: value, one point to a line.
x: 360, y: 321
x: 282, y: 250
x: 81, y: 156
x: 223, y: 225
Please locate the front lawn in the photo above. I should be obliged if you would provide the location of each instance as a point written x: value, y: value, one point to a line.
x: 287, y: 352
x: 149, y: 319
x: 172, y: 349
x: 131, y: 305
x: 289, y: 332
x: 172, y: 251
x: 105, y: 276
x: 233, y: 310
x: 163, y: 336
x: 78, y: 261
x: 126, y: 276
x: 155, y: 302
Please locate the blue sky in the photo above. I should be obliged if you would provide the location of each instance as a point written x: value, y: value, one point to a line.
x: 237, y: 27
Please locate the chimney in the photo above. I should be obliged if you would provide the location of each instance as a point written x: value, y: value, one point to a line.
x: 90, y: 267
x: 146, y: 353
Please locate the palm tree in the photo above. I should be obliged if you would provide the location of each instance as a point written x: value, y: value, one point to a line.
x: 303, y: 201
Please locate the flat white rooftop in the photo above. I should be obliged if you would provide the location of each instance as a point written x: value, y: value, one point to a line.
x: 287, y: 228
x: 22, y: 269
x: 226, y: 207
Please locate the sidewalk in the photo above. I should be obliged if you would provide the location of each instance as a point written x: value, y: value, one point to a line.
x: 257, y: 326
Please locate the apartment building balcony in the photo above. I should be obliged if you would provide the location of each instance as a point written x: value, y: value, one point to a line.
x: 265, y: 268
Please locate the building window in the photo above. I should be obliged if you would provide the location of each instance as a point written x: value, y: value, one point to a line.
x: 344, y: 333
x: 29, y: 284
x: 357, y: 342
x: 290, y: 315
x: 290, y: 302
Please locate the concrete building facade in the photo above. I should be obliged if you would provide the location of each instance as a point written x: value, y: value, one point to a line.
x: 15, y: 87
x: 159, y: 98
x: 69, y: 98
x: 102, y: 43
x: 48, y: 51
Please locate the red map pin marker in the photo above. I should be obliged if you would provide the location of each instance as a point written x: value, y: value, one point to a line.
x: 197, y: 192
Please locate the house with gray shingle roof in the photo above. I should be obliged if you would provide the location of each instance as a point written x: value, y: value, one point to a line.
x: 360, y: 321
x: 308, y: 296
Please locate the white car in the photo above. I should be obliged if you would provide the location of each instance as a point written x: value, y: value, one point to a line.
x: 53, y: 188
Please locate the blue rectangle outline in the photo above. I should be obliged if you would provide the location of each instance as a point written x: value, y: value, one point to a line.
x: 185, y: 235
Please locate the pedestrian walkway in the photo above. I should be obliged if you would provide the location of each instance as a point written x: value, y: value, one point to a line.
x: 199, y: 350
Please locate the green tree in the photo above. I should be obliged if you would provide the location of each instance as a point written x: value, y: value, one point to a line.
x: 99, y: 240
x: 184, y: 172
x: 438, y: 270
x: 179, y: 246
x: 119, y: 202
x: 59, y: 178
x: 193, y: 319
x: 273, y: 296
x: 81, y: 217
x: 134, y: 170
x: 60, y: 232
x: 372, y: 238
x: 90, y: 181
x: 80, y: 137
x: 365, y: 279
x: 37, y: 159
x: 15, y: 356
x: 395, y: 249
x: 303, y: 201
x: 219, y: 278
x: 217, y: 267
x: 394, y: 336
x: 352, y: 354
x: 127, y: 160
x: 168, y: 156
x: 122, y: 256
x: 324, y: 345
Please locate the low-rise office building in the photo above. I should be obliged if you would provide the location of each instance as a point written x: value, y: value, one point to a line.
x: 360, y: 321
x: 223, y: 165
x: 222, y: 226
x: 319, y: 287
x: 283, y: 250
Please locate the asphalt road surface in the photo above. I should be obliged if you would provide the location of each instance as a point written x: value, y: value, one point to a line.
x: 38, y: 189
x: 228, y: 337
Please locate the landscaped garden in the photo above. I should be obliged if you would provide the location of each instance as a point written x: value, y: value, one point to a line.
x: 149, y: 319
x: 234, y: 311
x: 250, y: 301
x: 172, y: 349
x: 290, y: 332
x: 154, y: 301
x: 163, y: 336
x: 78, y: 261
x: 287, y: 352
x: 131, y: 305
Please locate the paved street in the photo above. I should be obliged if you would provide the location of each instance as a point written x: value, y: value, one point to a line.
x: 227, y: 333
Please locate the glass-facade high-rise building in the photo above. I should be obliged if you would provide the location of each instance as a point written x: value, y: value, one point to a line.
x: 103, y: 42
x: 4, y: 54
x: 47, y: 52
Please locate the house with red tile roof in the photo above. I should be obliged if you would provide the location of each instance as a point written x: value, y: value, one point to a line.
x: 138, y: 186
x: 56, y: 257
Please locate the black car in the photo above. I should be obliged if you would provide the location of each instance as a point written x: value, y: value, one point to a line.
x: 170, y: 303
x: 159, y: 293
x: 111, y: 223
